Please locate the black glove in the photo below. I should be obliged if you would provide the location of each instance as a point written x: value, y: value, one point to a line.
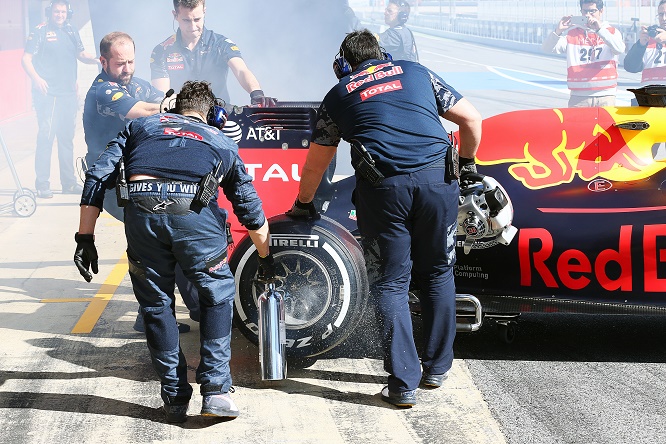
x: 302, y: 210
x: 257, y: 98
x: 468, y: 171
x: 85, y: 255
x: 266, y: 272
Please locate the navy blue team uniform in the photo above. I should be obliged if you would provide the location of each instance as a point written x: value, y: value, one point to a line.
x: 55, y: 52
x: 408, y: 222
x: 164, y: 228
x: 208, y: 60
x: 106, y: 105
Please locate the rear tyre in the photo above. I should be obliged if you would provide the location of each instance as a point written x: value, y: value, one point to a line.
x: 321, y: 270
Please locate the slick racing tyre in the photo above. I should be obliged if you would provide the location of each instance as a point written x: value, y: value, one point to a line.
x: 320, y: 269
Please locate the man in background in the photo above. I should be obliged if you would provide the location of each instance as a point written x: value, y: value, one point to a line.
x: 115, y: 97
x: 647, y: 54
x: 196, y: 52
x: 592, y: 51
x: 49, y: 60
x: 398, y: 40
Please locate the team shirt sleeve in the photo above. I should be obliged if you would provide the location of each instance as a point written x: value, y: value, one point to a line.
x: 34, y: 43
x: 76, y: 37
x: 113, y: 100
x: 158, y: 66
x: 326, y: 132
x: 445, y: 95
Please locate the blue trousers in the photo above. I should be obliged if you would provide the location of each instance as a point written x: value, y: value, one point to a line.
x: 56, y: 118
x: 408, y: 227
x: 198, y: 243
x: 187, y: 290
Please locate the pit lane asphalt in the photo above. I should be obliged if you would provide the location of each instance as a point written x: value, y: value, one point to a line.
x: 72, y: 369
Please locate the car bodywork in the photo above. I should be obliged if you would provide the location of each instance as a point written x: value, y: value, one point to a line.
x: 587, y: 189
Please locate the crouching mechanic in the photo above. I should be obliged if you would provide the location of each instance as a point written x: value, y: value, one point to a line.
x: 166, y: 159
x: 406, y: 203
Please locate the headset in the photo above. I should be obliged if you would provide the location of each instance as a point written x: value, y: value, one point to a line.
x: 48, y: 9
x: 341, y: 66
x: 403, y: 13
x: 217, y: 115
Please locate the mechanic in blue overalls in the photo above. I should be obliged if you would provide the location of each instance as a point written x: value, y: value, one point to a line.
x: 196, y: 52
x: 174, y: 163
x: 115, y: 97
x: 50, y: 61
x: 389, y: 112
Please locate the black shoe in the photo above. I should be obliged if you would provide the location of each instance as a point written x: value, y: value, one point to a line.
x: 401, y: 399
x: 175, y: 413
x: 433, y: 381
x: 73, y: 189
x: 140, y: 327
x: 45, y: 194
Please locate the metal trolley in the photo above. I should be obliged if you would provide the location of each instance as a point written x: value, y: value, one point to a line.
x: 23, y: 203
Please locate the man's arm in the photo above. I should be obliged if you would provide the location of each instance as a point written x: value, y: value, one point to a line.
x: 317, y: 161
x: 612, y: 39
x: 260, y: 239
x: 88, y: 59
x: 633, y: 62
x: 469, y: 121
x: 245, y: 77
x: 555, y: 42
x: 38, y: 82
x: 143, y: 109
x: 163, y: 83
x: 88, y: 219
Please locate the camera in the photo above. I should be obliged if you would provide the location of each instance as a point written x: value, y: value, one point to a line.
x: 652, y: 30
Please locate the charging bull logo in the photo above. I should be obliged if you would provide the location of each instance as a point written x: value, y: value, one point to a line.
x: 550, y: 147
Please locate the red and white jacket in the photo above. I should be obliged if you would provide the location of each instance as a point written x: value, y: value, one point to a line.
x: 591, y: 58
x: 654, y: 65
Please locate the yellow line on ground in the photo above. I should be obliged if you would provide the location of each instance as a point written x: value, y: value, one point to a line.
x: 48, y: 301
x: 97, y: 305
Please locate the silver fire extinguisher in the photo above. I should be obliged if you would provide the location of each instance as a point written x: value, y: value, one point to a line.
x: 272, y: 334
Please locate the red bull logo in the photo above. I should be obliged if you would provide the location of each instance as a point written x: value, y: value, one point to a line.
x: 575, y: 269
x: 371, y: 70
x: 550, y: 147
x: 379, y: 75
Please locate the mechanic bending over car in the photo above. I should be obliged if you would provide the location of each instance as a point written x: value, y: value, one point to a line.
x: 647, y: 54
x: 196, y: 52
x: 592, y: 77
x: 114, y: 98
x: 170, y: 167
x: 406, y: 197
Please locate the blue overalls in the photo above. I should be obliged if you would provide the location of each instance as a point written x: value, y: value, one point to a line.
x: 164, y: 228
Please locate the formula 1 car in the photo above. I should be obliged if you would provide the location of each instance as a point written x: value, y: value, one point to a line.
x: 587, y: 189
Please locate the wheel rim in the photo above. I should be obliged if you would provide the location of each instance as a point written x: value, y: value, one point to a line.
x: 24, y: 206
x: 307, y: 288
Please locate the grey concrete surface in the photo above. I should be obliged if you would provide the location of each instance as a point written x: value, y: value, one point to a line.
x: 73, y: 370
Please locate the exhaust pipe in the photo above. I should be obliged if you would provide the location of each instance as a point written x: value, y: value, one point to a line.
x: 272, y: 334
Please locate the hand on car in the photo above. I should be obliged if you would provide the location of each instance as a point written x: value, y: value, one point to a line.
x: 257, y: 98
x: 301, y: 210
